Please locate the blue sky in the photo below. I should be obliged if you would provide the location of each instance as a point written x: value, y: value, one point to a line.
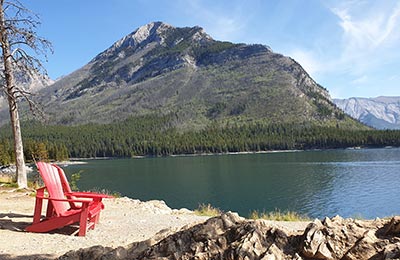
x: 351, y: 47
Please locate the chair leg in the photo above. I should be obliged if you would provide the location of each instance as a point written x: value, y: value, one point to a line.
x: 93, y: 221
x: 38, y: 210
x: 50, y: 209
x: 83, y: 219
x: 37, y: 214
x: 97, y: 218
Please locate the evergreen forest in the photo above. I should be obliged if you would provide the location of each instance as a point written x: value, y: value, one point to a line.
x: 154, y: 136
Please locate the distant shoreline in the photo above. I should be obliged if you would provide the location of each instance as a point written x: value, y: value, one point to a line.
x: 227, y: 153
x: 236, y: 153
x: 81, y: 160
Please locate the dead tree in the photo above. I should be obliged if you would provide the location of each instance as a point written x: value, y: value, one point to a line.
x: 21, y: 48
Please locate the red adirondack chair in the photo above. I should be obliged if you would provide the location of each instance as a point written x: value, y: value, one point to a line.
x: 64, y: 206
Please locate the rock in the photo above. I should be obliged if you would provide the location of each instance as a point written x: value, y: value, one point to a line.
x: 392, y: 252
x: 94, y: 253
x: 11, y: 170
x: 394, y: 227
x: 273, y: 253
x: 311, y: 244
x: 182, y: 211
x: 231, y: 237
x: 158, y: 207
x: 365, y: 248
x: 225, y: 237
x: 347, y: 239
x: 8, y: 173
x: 118, y: 253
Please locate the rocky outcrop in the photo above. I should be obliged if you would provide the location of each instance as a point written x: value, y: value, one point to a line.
x: 232, y: 237
x: 339, y: 238
x: 8, y: 173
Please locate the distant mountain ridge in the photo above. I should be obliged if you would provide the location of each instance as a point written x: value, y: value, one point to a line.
x: 380, y: 112
x: 30, y: 82
x: 183, y: 72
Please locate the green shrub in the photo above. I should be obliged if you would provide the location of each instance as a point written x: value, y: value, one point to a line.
x: 74, y: 180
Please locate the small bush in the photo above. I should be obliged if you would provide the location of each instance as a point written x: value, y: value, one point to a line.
x: 277, y: 215
x: 207, y: 210
x: 74, y: 180
x: 115, y: 194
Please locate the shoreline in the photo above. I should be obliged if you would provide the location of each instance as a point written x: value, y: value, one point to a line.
x: 233, y: 153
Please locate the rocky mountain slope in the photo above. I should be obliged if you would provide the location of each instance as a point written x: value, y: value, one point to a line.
x: 30, y: 82
x: 182, y: 72
x: 380, y: 112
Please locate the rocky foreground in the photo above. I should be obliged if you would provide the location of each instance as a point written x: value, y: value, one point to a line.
x: 232, y: 237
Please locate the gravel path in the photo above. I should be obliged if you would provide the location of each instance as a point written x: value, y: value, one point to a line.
x: 122, y: 222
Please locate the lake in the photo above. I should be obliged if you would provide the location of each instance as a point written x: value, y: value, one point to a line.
x: 352, y: 183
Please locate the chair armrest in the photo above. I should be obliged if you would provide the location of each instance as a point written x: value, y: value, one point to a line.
x: 88, y: 195
x: 66, y: 200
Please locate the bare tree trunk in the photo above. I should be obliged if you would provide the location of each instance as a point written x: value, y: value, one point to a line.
x: 18, y: 148
x: 12, y: 102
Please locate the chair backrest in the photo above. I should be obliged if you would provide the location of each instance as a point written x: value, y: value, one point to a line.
x: 65, y: 185
x: 63, y: 179
x: 51, y: 179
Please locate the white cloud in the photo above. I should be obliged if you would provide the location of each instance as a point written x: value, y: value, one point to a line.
x: 371, y: 34
x: 358, y: 56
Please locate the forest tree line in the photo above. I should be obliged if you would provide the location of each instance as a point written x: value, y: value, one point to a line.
x: 154, y: 136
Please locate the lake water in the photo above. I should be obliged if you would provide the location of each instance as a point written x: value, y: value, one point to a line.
x: 351, y: 183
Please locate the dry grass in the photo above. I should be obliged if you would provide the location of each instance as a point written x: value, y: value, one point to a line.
x: 207, y: 210
x: 277, y: 215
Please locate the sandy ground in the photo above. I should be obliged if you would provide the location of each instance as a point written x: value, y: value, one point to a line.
x: 122, y: 222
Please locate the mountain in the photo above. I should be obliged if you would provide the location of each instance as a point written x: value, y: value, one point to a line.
x: 379, y: 112
x: 183, y: 72
x: 30, y: 82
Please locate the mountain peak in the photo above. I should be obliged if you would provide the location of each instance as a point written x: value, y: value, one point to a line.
x: 153, y: 30
x: 143, y: 35
x: 157, y: 33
